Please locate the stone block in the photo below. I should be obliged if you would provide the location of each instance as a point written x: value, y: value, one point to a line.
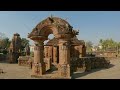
x: 64, y: 71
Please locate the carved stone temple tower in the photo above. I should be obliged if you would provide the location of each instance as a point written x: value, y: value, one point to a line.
x: 15, y: 48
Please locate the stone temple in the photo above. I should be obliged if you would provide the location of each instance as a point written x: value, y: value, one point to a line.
x: 15, y: 48
x: 64, y: 51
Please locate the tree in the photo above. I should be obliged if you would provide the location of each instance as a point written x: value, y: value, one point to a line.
x: 2, y: 36
x: 118, y: 44
x: 4, y: 43
x: 89, y: 45
x: 101, y: 41
x: 108, y: 44
x: 24, y: 42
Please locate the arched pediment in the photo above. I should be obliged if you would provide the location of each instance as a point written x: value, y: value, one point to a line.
x: 51, y: 25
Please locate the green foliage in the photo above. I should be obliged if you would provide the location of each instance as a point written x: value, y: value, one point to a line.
x: 89, y: 45
x: 4, y: 43
x: 24, y: 43
x: 2, y: 36
x: 31, y: 54
x: 109, y: 44
x: 3, y: 51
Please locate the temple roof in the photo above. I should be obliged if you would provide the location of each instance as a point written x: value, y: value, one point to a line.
x: 74, y: 41
x: 53, y: 42
x: 55, y: 20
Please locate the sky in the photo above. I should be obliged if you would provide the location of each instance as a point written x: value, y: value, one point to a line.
x: 92, y: 25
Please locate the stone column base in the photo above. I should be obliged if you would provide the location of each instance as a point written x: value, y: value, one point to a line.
x: 64, y: 71
x: 38, y: 69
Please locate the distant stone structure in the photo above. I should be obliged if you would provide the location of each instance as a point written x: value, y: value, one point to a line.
x: 25, y: 61
x: 15, y: 49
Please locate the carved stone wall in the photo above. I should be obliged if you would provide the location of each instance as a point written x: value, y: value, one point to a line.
x: 106, y: 53
x: 25, y: 61
x: 88, y: 63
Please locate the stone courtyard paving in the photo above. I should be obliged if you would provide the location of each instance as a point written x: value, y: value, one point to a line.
x: 13, y: 71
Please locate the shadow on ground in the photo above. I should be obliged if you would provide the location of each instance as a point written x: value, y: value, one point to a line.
x: 53, y: 68
x: 80, y: 74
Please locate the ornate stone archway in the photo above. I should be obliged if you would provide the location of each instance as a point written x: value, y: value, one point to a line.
x: 61, y: 30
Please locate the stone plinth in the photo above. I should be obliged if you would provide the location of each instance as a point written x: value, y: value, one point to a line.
x: 38, y: 69
x: 64, y: 70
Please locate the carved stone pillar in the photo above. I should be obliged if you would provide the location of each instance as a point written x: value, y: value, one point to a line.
x: 64, y: 59
x: 47, y: 59
x: 50, y: 52
x: 38, y: 68
x: 55, y: 56
x: 46, y: 51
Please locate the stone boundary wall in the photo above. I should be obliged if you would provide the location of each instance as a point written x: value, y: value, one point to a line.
x: 112, y: 58
x: 4, y: 57
x: 28, y: 61
x: 88, y: 63
x: 25, y: 61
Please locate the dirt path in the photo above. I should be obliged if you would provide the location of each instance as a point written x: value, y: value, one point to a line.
x: 13, y: 71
